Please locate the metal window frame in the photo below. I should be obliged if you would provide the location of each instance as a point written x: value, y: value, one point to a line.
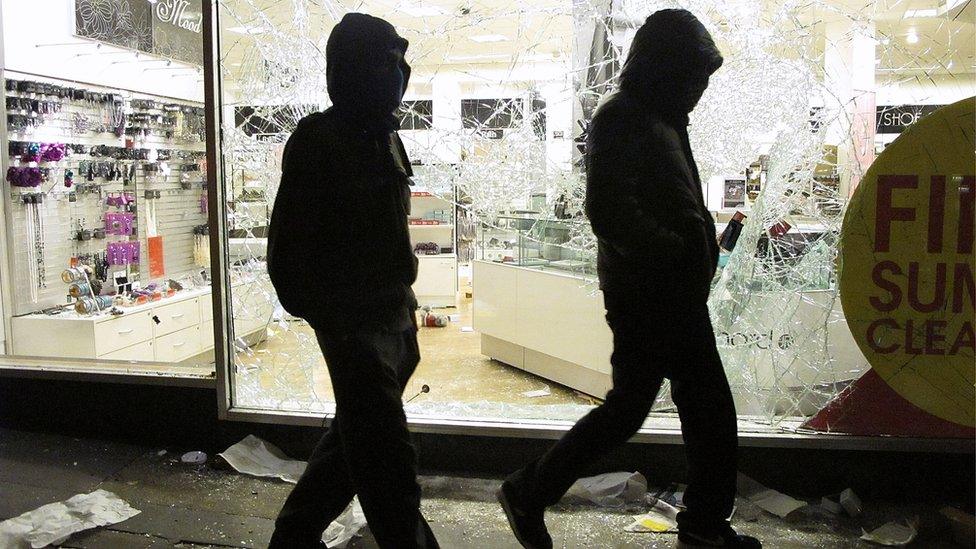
x: 224, y: 331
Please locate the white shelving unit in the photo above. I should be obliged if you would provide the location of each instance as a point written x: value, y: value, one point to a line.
x: 432, y: 219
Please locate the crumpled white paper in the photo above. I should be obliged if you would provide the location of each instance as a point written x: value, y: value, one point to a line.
x: 259, y: 458
x: 767, y: 499
x: 610, y: 489
x: 893, y: 534
x: 544, y: 392
x: 346, y: 527
x: 53, y: 523
x: 663, y: 517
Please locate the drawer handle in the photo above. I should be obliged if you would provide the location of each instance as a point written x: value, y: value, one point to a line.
x: 129, y: 331
x: 178, y: 315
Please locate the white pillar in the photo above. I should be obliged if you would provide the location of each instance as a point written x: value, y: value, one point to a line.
x: 849, y: 73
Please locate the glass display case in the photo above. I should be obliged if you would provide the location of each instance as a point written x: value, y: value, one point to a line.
x: 524, y: 240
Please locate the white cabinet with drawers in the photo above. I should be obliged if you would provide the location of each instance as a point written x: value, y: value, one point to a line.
x: 171, y: 330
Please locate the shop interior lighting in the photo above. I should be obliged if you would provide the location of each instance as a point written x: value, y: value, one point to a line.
x: 930, y: 12
x: 489, y: 38
x: 420, y: 10
x: 247, y: 29
x: 479, y: 57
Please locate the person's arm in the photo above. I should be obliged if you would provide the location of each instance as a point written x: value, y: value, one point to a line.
x: 641, y: 212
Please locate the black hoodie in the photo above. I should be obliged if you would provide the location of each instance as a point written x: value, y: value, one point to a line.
x: 656, y: 238
x: 339, y: 252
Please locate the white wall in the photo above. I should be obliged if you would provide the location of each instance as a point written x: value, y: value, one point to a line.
x: 38, y: 38
x: 452, y: 83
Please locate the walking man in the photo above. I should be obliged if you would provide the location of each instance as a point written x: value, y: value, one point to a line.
x: 657, y: 257
x: 339, y: 256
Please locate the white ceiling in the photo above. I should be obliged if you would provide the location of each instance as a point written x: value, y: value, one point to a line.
x: 444, y: 32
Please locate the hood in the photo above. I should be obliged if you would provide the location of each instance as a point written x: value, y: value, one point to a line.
x: 366, y: 74
x: 671, y: 54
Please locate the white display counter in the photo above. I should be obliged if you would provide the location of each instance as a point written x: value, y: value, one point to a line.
x: 170, y: 330
x: 546, y: 322
x: 552, y: 323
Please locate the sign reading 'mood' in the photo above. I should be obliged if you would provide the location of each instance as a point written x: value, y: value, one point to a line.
x: 907, y: 281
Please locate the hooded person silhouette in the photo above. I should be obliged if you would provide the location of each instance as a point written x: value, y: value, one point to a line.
x: 657, y: 255
x: 339, y: 256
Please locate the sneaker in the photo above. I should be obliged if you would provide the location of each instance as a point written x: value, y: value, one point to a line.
x: 728, y: 538
x: 528, y: 525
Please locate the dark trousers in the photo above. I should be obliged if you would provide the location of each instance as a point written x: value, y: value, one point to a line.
x: 649, y: 346
x: 366, y: 451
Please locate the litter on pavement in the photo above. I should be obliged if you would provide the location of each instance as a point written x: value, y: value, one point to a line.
x: 54, y: 523
x: 663, y: 517
x: 610, y: 489
x: 256, y: 457
x: 767, y: 499
x: 893, y: 534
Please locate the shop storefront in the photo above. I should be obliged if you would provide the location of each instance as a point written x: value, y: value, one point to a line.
x: 143, y: 143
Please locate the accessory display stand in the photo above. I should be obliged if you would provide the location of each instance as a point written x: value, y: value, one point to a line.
x: 80, y: 159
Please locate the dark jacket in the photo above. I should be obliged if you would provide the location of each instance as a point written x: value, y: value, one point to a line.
x: 656, y: 238
x: 339, y: 252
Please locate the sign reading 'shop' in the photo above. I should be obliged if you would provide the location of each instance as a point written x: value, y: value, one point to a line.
x: 907, y: 282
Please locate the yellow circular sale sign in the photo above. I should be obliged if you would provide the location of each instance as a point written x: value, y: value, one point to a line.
x: 906, y: 280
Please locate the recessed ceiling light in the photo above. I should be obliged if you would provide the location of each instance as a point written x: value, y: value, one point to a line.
x: 912, y: 37
x: 489, y: 38
x: 932, y: 12
x: 419, y: 10
x: 479, y: 57
x: 245, y: 29
x: 524, y: 58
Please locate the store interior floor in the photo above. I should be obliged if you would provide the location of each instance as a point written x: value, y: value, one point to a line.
x: 451, y: 365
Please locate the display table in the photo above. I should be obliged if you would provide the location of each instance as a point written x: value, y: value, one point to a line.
x: 170, y: 330
x: 547, y: 322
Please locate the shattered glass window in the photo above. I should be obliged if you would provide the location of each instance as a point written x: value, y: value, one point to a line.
x: 497, y: 111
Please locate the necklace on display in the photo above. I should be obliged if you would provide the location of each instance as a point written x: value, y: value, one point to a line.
x: 35, y: 244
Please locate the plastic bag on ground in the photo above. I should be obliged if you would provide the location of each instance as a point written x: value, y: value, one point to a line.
x: 610, y: 489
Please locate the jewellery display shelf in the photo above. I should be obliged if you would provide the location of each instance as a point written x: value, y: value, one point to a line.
x: 146, y: 150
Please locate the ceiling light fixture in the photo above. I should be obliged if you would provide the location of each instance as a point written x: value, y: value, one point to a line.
x: 489, y: 38
x: 480, y: 57
x: 247, y: 29
x: 912, y: 37
x: 419, y: 10
x: 931, y: 12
